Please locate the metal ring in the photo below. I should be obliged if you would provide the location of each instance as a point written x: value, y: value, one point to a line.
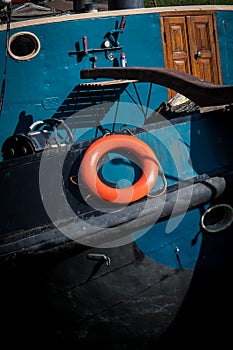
x: 217, y: 218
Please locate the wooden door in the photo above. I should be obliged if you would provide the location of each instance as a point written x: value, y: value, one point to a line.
x: 190, y: 45
x: 202, y: 46
x: 176, y: 48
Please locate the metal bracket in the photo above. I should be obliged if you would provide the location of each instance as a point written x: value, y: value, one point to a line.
x: 99, y: 257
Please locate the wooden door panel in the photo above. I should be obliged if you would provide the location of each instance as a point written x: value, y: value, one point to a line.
x: 205, y: 71
x: 202, y: 47
x: 176, y: 43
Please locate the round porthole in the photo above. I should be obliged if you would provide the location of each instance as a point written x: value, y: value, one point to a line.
x: 23, y: 46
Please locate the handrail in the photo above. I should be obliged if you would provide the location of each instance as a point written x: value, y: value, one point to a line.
x: 201, y: 92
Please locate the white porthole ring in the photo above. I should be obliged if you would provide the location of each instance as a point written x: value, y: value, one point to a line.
x: 32, y: 40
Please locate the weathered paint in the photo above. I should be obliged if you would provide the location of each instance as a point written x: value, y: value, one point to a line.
x: 39, y: 86
x: 53, y: 74
x: 36, y: 88
x: 135, y: 299
x: 225, y: 37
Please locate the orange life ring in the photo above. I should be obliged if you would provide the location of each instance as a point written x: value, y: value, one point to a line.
x: 141, y: 151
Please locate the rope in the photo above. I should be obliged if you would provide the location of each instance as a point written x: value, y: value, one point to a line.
x: 164, y: 185
x: 8, y: 15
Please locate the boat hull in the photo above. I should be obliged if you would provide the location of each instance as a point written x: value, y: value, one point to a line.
x: 136, y: 295
x: 134, y: 302
x: 143, y: 276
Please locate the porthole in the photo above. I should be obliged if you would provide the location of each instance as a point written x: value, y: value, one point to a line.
x: 23, y: 46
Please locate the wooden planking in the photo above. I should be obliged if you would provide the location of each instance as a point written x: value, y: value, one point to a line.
x: 73, y: 17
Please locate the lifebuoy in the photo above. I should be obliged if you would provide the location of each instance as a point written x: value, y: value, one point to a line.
x: 144, y: 155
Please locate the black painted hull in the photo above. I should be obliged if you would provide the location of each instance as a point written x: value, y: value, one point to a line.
x: 66, y: 299
x: 135, y: 303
